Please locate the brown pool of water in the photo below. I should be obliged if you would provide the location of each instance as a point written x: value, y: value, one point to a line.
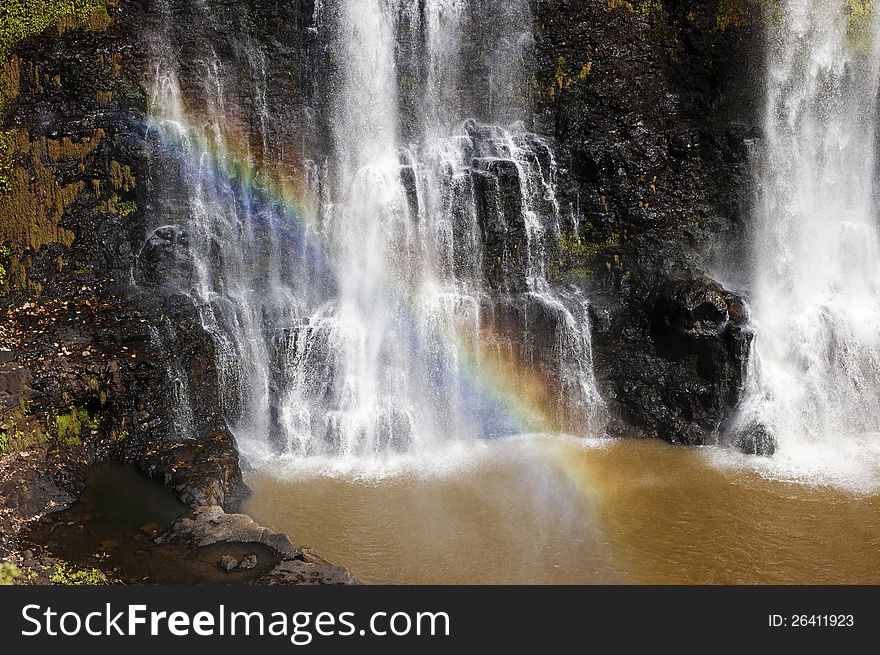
x: 548, y: 510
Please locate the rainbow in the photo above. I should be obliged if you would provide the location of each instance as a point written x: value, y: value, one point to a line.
x: 505, y: 390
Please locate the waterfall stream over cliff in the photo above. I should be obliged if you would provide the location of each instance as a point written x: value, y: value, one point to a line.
x: 386, y: 290
x: 515, y: 291
x: 817, y: 289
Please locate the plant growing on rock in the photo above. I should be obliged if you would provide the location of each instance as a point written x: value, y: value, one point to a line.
x: 9, y: 573
x: 66, y: 574
x: 20, y: 19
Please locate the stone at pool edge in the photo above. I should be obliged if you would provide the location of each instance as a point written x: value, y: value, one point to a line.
x: 211, y: 525
x: 228, y: 563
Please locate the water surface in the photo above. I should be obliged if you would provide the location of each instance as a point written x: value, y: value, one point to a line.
x: 555, y: 510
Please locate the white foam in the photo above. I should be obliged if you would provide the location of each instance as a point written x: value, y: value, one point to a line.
x: 850, y: 464
x: 451, y: 459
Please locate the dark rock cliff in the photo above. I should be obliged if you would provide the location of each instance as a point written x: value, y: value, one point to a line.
x: 652, y: 106
x: 91, y: 354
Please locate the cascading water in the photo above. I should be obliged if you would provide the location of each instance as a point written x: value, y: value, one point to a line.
x: 817, y: 288
x: 417, y: 264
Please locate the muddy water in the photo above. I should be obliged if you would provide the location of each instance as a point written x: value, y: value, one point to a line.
x: 552, y: 510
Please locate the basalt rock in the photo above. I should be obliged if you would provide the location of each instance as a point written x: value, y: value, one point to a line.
x: 755, y: 439
x: 165, y: 257
x: 685, y: 369
x: 652, y: 115
x: 496, y: 184
x: 211, y: 526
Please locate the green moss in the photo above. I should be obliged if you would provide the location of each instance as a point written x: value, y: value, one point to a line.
x: 640, y: 7
x: 742, y: 13
x: 860, y: 18
x: 8, y: 573
x: 122, y: 208
x: 733, y: 13
x: 573, y: 244
x: 70, y: 425
x: 20, y: 19
x: 578, y: 254
x: 563, y: 77
x: 17, y: 432
x: 620, y: 4
x: 6, y: 151
x: 648, y: 7
x: 4, y: 256
x: 66, y: 574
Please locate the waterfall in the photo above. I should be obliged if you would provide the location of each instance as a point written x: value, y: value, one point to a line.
x: 816, y: 303
x: 387, y: 291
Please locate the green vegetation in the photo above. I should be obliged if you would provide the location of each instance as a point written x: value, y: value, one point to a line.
x: 640, y: 7
x: 4, y: 254
x: 860, y: 16
x: 70, y: 425
x: 66, y: 574
x: 648, y: 7
x: 17, y: 433
x: 733, y: 13
x: 122, y: 208
x: 20, y: 19
x: 9, y: 573
x: 6, y: 152
x: 13, y: 439
x: 572, y: 243
x: 578, y: 253
x: 564, y: 76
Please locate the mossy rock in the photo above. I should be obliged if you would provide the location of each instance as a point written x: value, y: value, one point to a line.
x: 20, y: 19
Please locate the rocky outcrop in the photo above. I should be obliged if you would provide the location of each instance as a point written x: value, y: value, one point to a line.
x: 652, y: 114
x: 211, y: 526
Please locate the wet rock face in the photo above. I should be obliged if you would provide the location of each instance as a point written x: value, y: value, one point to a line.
x: 499, y: 208
x: 699, y: 323
x: 700, y: 356
x: 84, y: 364
x: 165, y: 258
x: 755, y: 439
x: 652, y: 114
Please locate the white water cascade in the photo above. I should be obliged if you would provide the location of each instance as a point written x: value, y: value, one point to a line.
x: 347, y: 324
x: 816, y: 303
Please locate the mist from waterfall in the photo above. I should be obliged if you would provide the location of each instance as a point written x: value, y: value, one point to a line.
x: 363, y: 330
x: 816, y: 301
